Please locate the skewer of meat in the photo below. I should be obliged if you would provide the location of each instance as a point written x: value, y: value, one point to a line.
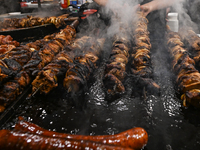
x: 115, y: 70
x: 140, y: 58
x: 12, y: 89
x: 47, y: 79
x: 84, y: 65
x: 135, y: 138
x: 192, y: 42
x: 187, y: 76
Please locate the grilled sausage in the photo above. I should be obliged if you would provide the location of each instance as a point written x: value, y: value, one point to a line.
x: 135, y: 138
x: 23, y: 141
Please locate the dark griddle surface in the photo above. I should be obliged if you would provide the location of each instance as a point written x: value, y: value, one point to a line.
x: 170, y: 126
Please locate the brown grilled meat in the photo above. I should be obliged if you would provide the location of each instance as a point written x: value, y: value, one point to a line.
x: 115, y: 70
x: 192, y: 43
x: 8, y: 40
x: 7, y: 44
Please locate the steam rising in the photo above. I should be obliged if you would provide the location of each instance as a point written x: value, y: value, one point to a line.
x: 188, y: 14
x: 123, y: 13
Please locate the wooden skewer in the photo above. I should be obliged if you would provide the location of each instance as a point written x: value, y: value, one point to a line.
x: 35, y: 92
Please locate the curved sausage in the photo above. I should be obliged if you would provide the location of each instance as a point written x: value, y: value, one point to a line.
x: 11, y: 140
x: 135, y: 138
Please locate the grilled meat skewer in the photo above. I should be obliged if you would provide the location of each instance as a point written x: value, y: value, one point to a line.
x: 140, y: 57
x: 84, y: 65
x: 192, y: 42
x: 47, y: 79
x: 115, y: 70
x: 188, y: 77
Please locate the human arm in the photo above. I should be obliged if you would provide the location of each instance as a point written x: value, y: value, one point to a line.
x: 156, y: 5
x: 101, y: 2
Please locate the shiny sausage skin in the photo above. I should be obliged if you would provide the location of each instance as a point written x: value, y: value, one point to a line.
x: 135, y: 138
x: 11, y: 140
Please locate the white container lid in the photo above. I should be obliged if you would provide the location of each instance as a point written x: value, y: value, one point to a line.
x: 14, y: 13
x: 172, y: 16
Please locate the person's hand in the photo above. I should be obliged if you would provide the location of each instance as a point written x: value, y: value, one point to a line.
x: 146, y: 8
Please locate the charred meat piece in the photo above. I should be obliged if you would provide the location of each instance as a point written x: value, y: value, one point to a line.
x: 7, y: 44
x: 84, y: 65
x: 192, y: 43
x: 5, y: 40
x: 115, y: 69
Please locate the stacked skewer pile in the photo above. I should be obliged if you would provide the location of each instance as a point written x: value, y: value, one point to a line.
x: 38, y: 60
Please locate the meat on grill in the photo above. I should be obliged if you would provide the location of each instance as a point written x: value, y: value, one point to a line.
x: 47, y: 78
x: 135, y: 138
x: 14, y: 23
x: 84, y: 65
x: 24, y: 141
x: 115, y: 70
x: 8, y: 40
x: 188, y: 77
x: 13, y: 61
x: 12, y: 89
x: 140, y: 57
x: 192, y: 42
x: 7, y: 44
